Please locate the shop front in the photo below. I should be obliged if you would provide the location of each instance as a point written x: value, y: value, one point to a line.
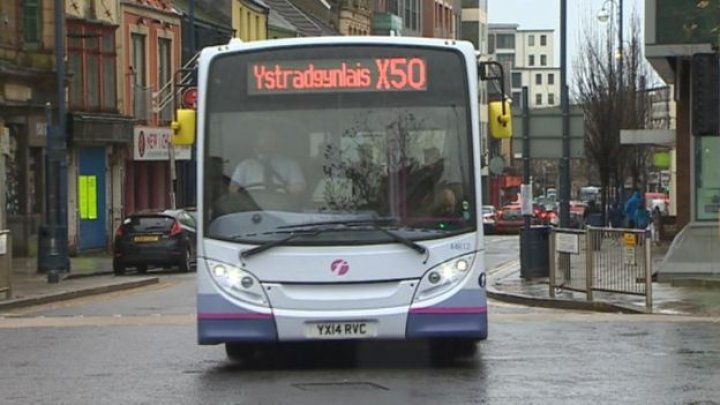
x: 149, y: 180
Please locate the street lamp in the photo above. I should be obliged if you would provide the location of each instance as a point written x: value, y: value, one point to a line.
x: 603, y: 17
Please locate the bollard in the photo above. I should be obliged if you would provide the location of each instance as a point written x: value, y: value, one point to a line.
x: 53, y: 277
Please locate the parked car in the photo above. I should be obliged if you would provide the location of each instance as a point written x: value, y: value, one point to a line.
x: 509, y: 219
x: 577, y: 214
x: 489, y: 218
x: 155, y: 238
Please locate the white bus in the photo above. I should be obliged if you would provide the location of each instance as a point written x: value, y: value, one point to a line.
x: 339, y: 192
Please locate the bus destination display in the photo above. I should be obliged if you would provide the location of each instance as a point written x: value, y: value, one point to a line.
x: 326, y: 76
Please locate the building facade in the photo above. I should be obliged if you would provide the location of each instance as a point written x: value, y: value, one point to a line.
x: 441, y: 18
x: 150, y: 54
x: 675, y: 34
x: 302, y: 20
x: 98, y: 134
x: 250, y: 19
x: 530, y: 55
x: 27, y: 83
x: 474, y: 24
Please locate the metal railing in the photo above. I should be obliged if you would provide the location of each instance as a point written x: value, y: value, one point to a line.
x: 165, y: 97
x: 604, y: 260
x: 164, y: 111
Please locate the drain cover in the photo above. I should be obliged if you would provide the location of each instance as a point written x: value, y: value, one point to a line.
x: 340, y: 386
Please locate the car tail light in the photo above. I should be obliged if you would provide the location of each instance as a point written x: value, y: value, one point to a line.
x: 176, y: 229
x: 119, y: 232
x: 499, y: 214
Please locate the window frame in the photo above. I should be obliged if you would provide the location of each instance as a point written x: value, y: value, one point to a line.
x: 31, y: 10
x: 87, y: 45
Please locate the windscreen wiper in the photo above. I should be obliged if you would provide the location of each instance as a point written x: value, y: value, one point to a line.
x: 269, y: 245
x: 376, y: 224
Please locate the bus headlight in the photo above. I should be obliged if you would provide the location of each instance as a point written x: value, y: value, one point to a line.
x: 238, y: 283
x: 443, y: 277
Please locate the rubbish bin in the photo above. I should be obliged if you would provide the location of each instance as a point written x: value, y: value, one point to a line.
x: 534, y: 257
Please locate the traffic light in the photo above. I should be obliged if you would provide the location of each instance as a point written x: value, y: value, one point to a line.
x: 705, y: 94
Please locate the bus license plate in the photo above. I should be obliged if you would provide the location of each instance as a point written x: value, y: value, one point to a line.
x: 340, y: 330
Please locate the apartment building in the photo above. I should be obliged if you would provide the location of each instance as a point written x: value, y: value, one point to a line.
x: 529, y: 55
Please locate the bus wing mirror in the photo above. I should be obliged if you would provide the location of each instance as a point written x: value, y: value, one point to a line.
x: 500, y: 119
x: 184, y: 127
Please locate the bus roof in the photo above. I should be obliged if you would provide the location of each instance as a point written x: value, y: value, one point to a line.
x: 237, y: 45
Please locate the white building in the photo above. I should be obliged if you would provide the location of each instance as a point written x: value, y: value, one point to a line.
x: 530, y: 56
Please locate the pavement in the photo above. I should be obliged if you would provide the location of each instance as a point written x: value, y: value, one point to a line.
x: 92, y: 274
x: 690, y: 296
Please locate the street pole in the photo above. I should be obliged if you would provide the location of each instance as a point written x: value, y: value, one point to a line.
x: 565, y: 108
x: 191, y: 12
x: 525, y: 238
x: 620, y: 41
x: 53, y: 252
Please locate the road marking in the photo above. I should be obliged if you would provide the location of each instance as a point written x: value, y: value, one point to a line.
x: 190, y: 319
x: 113, y: 320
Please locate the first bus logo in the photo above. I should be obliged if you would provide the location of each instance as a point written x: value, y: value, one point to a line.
x: 340, y: 267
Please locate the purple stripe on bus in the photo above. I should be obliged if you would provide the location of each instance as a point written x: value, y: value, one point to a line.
x: 247, y: 315
x: 449, y: 310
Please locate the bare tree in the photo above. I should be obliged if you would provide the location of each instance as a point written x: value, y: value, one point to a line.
x: 611, y: 104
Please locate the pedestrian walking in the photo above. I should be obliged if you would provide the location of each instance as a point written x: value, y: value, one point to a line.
x: 631, y: 207
x: 642, y: 217
x: 615, y: 215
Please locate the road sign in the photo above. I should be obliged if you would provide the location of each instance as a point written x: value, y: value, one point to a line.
x: 546, y: 132
x: 629, y: 239
x: 189, y: 98
x: 497, y: 165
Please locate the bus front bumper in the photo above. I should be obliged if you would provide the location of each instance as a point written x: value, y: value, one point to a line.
x: 388, y: 323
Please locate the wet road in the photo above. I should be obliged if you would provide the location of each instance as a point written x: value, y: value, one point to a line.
x: 139, y: 347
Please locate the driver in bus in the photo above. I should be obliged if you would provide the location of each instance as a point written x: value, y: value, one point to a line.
x: 267, y: 169
x: 439, y: 189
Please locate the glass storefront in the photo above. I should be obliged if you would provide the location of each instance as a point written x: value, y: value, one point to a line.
x: 707, y: 178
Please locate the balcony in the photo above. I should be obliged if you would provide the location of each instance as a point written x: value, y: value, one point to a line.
x: 142, y: 103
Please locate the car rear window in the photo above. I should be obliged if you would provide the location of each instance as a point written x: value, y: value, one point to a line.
x: 509, y: 213
x: 149, y: 224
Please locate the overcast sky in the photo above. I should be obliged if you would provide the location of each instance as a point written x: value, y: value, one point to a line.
x: 539, y: 14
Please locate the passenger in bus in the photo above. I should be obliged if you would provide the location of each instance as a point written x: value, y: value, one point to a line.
x: 268, y: 169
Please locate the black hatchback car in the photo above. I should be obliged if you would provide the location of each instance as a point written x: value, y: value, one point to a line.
x: 163, y: 238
